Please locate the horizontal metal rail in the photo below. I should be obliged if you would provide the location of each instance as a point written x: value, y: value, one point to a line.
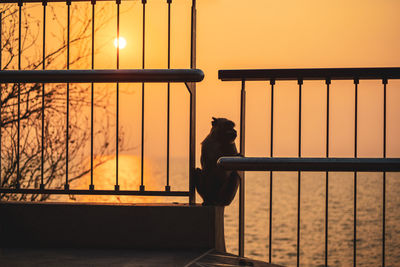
x: 94, y: 192
x: 309, y: 74
x: 102, y: 76
x: 310, y: 164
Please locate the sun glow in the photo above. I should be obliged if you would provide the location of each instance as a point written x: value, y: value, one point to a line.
x: 121, y: 44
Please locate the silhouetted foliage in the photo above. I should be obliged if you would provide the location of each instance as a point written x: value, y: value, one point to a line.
x: 55, y: 108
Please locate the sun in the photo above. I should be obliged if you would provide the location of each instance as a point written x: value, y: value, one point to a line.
x: 121, y: 43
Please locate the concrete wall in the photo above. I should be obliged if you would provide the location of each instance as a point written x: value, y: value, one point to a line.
x: 170, y: 226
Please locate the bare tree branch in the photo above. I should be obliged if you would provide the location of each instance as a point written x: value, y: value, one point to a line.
x: 52, y: 112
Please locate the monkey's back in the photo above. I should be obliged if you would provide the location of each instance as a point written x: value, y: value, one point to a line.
x: 212, y: 149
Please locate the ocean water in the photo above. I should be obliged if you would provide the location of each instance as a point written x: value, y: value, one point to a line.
x: 284, y: 218
x: 312, y: 222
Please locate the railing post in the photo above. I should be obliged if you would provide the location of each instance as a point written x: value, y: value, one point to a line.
x: 43, y: 96
x: 18, y: 185
x: 356, y: 82
x: 167, y: 186
x: 116, y: 186
x: 66, y: 186
x: 384, y: 81
x: 272, y: 82
x: 1, y: 43
x: 300, y: 83
x: 91, y: 186
x: 192, y: 90
x: 327, y: 82
x: 242, y: 181
x: 142, y: 188
x: 193, y: 36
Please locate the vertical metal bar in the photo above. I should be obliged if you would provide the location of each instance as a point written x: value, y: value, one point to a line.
x: 242, y: 181
x: 192, y: 144
x: 116, y: 187
x: 193, y: 36
x: 328, y: 82
x: 356, y: 82
x: 43, y: 94
x: 143, y: 97
x: 167, y: 187
x: 1, y: 58
x: 272, y: 82
x: 19, y: 93
x: 66, y: 186
x: 300, y: 83
x: 384, y: 81
x: 91, y: 186
x: 192, y: 130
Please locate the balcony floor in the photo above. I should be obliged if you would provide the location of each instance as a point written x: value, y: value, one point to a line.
x: 148, y: 258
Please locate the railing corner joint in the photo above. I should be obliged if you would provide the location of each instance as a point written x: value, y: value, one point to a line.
x: 300, y: 81
x: 328, y: 81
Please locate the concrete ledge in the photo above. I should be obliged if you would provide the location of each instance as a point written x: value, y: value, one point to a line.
x: 122, y: 258
x: 88, y: 225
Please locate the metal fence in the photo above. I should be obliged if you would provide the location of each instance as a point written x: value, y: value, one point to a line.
x: 188, y: 76
x: 309, y: 164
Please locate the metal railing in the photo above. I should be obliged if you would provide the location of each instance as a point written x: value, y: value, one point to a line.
x: 188, y: 76
x: 100, y: 76
x: 309, y: 164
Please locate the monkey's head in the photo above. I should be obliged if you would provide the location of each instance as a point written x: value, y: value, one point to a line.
x: 223, y: 130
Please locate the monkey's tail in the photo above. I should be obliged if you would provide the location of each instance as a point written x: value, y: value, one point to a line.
x: 199, y: 183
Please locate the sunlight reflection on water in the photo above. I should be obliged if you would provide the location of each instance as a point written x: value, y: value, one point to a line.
x: 129, y: 178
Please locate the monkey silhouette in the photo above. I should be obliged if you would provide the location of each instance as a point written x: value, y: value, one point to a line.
x: 215, y: 185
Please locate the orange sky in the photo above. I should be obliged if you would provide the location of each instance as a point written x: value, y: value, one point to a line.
x: 282, y: 34
x: 262, y: 34
x: 302, y: 34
